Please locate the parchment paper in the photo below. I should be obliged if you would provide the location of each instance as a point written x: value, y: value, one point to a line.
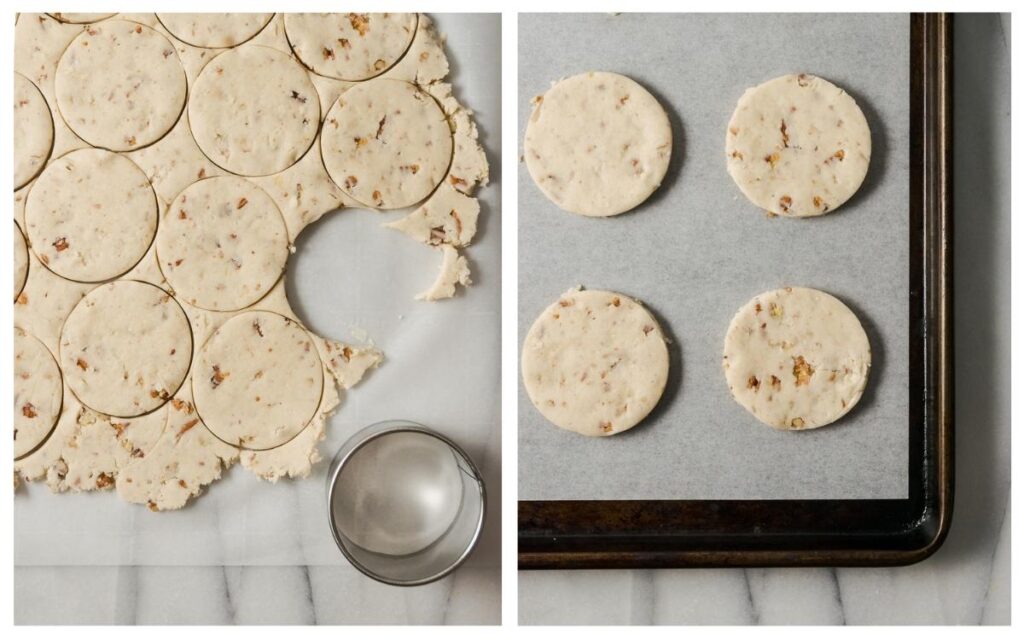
x: 698, y: 250
x: 349, y: 274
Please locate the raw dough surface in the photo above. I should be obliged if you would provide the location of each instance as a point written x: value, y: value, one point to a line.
x: 91, y: 215
x: 258, y: 380
x: 597, y: 144
x: 222, y: 243
x: 120, y: 85
x: 214, y: 30
x: 387, y: 143
x: 20, y: 261
x: 798, y: 146
x: 254, y: 111
x: 350, y: 46
x: 447, y: 217
x: 81, y: 18
x: 796, y: 358
x: 454, y: 270
x: 38, y: 393
x: 33, y: 131
x: 126, y: 348
x: 595, y: 362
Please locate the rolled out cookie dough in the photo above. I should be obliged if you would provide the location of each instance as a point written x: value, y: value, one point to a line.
x: 222, y: 243
x: 81, y: 18
x: 798, y: 146
x: 258, y: 380
x: 796, y: 358
x: 597, y: 144
x: 38, y: 393
x: 595, y: 362
x: 454, y: 270
x: 386, y: 143
x: 125, y: 348
x: 254, y: 111
x: 447, y: 217
x: 214, y: 30
x: 91, y: 215
x: 20, y: 261
x: 33, y: 131
x: 350, y: 46
x: 120, y: 85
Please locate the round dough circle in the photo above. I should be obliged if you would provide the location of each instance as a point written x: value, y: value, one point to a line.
x: 798, y: 146
x: 258, y: 380
x: 254, y: 111
x: 595, y: 362
x: 20, y: 261
x: 214, y: 30
x: 120, y: 85
x: 126, y: 348
x: 33, y: 131
x: 222, y: 244
x: 91, y: 215
x: 597, y: 144
x: 386, y: 143
x: 80, y: 18
x: 350, y: 46
x: 796, y: 358
x: 38, y: 393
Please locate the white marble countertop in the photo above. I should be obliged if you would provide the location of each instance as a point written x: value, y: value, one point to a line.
x: 304, y: 579
x: 968, y: 580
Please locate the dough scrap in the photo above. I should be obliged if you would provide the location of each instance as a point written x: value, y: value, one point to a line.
x: 595, y: 362
x: 454, y: 270
x: 38, y: 393
x: 254, y: 132
x: 352, y: 46
x: 798, y: 146
x: 796, y: 358
x: 222, y: 244
x: 258, y: 381
x: 126, y: 348
x: 597, y: 144
x: 214, y: 30
x: 120, y: 85
x: 447, y: 217
x: 33, y: 131
x: 91, y: 215
x: 386, y: 143
x: 20, y: 261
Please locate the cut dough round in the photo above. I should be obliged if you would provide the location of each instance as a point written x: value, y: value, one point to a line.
x: 214, y: 30
x: 350, y: 46
x: 20, y: 261
x: 80, y: 18
x: 595, y: 362
x: 38, y: 393
x: 126, y: 348
x: 798, y: 146
x: 120, y: 85
x: 254, y: 111
x: 597, y: 144
x: 222, y: 244
x: 91, y: 215
x: 386, y: 143
x: 33, y: 131
x: 796, y: 358
x: 258, y: 380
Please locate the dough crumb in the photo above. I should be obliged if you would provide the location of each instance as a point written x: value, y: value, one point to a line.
x: 454, y: 270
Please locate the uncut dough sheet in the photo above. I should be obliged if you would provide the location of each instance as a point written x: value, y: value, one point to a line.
x: 350, y: 279
x: 698, y: 250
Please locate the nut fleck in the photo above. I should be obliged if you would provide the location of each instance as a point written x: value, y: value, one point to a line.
x: 60, y: 244
x: 241, y: 203
x: 802, y: 371
x: 785, y: 202
x: 28, y: 410
x: 753, y: 383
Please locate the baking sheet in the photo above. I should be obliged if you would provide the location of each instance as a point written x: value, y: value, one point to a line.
x: 698, y: 250
x: 348, y: 276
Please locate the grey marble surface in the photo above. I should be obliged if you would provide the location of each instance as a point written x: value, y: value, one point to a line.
x: 968, y: 580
